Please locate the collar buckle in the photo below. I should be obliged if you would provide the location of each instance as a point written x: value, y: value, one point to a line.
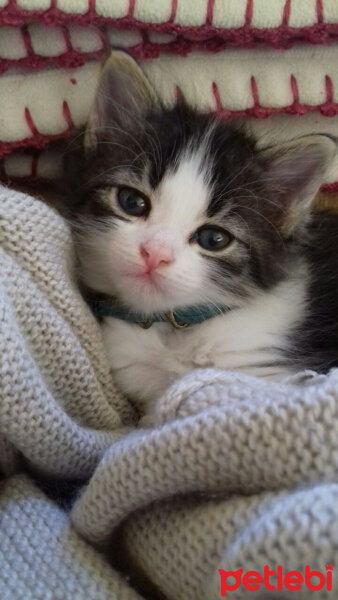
x: 171, y: 318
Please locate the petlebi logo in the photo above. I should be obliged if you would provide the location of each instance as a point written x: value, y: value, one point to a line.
x: 275, y: 580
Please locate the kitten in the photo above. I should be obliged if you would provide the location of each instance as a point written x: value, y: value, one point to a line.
x: 178, y: 216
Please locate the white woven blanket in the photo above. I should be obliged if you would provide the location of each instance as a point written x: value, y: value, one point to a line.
x: 239, y: 473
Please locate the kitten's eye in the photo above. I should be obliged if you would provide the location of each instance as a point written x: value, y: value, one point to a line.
x: 132, y: 202
x: 212, y: 238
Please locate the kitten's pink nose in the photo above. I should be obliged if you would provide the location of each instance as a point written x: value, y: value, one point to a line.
x: 156, y: 254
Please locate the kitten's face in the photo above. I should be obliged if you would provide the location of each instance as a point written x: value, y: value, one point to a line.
x: 167, y: 227
x: 157, y: 249
x: 177, y: 209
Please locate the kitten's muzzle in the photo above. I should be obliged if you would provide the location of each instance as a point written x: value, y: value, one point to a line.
x: 155, y: 254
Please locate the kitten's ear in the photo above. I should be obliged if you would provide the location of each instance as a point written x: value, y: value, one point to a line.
x: 123, y: 97
x: 296, y: 171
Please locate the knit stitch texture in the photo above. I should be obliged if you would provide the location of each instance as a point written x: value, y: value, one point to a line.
x: 235, y: 472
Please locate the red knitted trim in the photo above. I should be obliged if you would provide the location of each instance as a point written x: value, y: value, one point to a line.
x: 37, y: 139
x: 69, y: 60
x: 329, y: 108
x: 329, y: 89
x: 27, y: 40
x: 319, y: 9
x: 66, y: 37
x: 279, y: 37
x: 67, y: 115
x: 92, y: 10
x: 210, y: 12
x: 330, y: 188
x: 173, y: 11
x: 182, y: 46
x: 218, y: 104
x: 32, y: 179
x: 131, y: 8
x: 263, y: 112
x: 286, y: 13
x: 249, y: 12
x: 143, y: 50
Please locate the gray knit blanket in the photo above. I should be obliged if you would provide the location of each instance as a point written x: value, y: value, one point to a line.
x: 238, y: 474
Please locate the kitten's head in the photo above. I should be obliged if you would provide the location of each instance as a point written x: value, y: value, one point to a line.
x: 173, y: 208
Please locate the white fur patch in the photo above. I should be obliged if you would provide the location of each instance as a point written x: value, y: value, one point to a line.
x: 182, y: 197
x: 250, y: 339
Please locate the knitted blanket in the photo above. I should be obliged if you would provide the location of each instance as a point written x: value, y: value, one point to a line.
x: 271, y: 61
x: 238, y: 474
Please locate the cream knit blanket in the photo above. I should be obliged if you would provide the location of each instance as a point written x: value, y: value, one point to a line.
x: 239, y: 473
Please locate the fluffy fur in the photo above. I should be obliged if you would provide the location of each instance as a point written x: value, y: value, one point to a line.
x: 193, y: 172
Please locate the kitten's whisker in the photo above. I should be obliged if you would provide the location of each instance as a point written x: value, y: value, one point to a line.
x: 122, y: 132
x: 100, y: 175
x: 233, y: 179
x: 157, y: 144
x: 71, y: 142
x: 279, y: 235
x: 237, y: 215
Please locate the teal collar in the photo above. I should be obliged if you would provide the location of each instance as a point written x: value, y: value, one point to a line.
x: 179, y: 319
